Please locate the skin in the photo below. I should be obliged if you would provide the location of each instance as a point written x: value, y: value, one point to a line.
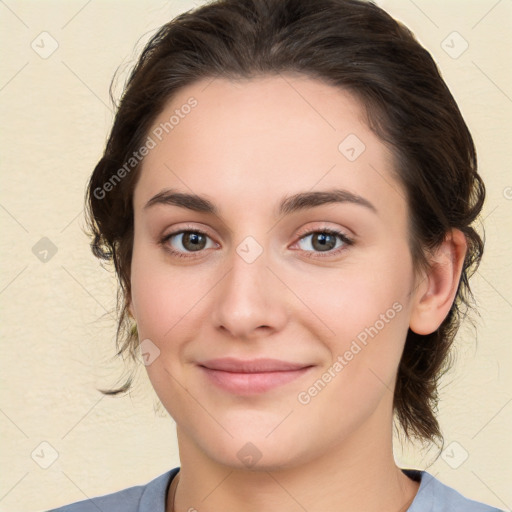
x: 245, y: 146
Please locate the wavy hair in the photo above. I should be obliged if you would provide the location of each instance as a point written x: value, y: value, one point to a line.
x: 353, y: 45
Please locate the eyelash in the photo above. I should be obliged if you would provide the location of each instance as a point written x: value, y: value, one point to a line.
x: 328, y: 231
x: 180, y: 254
x: 310, y: 254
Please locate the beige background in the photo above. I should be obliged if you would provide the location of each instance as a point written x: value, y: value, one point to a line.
x: 57, y: 331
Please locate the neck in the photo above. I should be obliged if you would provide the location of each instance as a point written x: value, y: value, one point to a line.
x: 357, y: 474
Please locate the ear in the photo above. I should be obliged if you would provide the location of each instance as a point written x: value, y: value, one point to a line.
x: 435, y: 293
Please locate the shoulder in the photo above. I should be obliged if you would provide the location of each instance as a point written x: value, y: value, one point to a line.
x: 140, y: 498
x: 434, y: 496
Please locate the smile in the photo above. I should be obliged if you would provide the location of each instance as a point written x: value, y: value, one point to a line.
x: 251, y: 377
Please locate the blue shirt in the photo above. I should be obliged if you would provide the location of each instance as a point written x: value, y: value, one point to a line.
x: 432, y: 496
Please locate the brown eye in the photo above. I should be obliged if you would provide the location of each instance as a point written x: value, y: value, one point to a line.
x: 193, y: 241
x: 327, y: 241
x: 323, y: 241
x: 183, y: 242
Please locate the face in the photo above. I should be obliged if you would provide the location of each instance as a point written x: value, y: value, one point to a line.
x: 249, y: 270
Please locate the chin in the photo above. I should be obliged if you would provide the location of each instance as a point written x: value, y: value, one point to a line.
x: 257, y: 452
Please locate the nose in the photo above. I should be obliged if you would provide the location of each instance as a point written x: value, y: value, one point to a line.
x: 250, y: 301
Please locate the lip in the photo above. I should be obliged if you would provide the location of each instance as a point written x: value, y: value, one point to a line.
x: 231, y: 364
x: 249, y: 377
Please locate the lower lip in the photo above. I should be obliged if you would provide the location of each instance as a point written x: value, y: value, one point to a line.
x: 252, y: 383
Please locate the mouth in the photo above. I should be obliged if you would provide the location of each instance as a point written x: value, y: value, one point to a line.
x: 251, y: 377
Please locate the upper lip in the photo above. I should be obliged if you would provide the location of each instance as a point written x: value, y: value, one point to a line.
x: 231, y: 364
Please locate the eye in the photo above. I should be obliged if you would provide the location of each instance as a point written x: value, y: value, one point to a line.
x: 326, y: 240
x: 184, y: 241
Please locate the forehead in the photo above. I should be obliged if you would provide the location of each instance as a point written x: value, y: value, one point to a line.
x: 263, y: 136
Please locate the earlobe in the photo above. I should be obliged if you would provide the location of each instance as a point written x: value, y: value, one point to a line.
x: 436, y: 291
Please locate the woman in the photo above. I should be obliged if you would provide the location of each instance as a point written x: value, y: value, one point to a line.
x: 288, y: 194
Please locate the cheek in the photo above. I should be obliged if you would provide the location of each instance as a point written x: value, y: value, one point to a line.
x: 164, y: 302
x: 156, y: 306
x: 358, y: 298
x: 365, y: 313
x: 369, y: 321
x: 162, y: 297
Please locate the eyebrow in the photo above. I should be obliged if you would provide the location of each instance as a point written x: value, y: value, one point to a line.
x: 288, y: 205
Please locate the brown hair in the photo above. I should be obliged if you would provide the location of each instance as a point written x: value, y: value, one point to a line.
x: 351, y: 44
